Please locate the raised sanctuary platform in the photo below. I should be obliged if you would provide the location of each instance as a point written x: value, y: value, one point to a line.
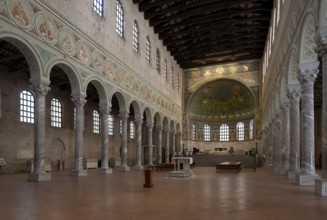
x: 204, y: 160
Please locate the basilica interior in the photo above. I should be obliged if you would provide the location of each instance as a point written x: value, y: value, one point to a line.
x: 94, y: 93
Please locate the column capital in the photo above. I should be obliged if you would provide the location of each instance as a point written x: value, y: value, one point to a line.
x: 138, y: 121
x: 284, y: 105
x: 105, y: 109
x: 123, y: 115
x: 166, y: 129
x: 308, y: 72
x: 149, y: 124
x: 321, y: 41
x: 79, y: 101
x: 294, y: 94
x: 40, y: 89
x: 172, y: 131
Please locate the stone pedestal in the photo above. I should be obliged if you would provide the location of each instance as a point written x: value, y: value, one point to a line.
x: 138, y: 167
x: 124, y: 168
x: 36, y: 177
x: 181, y: 168
x: 78, y: 172
x: 306, y: 179
x: 321, y: 187
x: 291, y: 175
x: 104, y: 170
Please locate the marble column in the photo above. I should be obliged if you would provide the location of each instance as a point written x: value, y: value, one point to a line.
x: 105, y: 111
x: 307, y: 75
x: 277, y: 143
x: 150, y: 147
x: 79, y: 141
x: 138, y: 122
x: 285, y: 138
x: 270, y: 145
x: 321, y: 41
x: 39, y: 173
x: 173, y: 142
x: 294, y: 97
x: 159, y: 129
x: 167, y: 132
x: 123, y: 117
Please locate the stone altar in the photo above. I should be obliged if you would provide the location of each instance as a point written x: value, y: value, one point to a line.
x: 181, y: 168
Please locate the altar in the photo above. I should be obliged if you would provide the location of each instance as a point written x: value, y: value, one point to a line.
x: 181, y: 167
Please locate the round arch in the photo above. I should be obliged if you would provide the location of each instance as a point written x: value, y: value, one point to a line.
x: 31, y: 55
x: 121, y: 99
x: 103, y: 97
x: 70, y: 71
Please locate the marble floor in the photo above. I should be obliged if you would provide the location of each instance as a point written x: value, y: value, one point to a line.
x: 261, y: 195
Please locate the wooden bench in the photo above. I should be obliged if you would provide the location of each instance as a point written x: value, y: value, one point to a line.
x: 228, y: 167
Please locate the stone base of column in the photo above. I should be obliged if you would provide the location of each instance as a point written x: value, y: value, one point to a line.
x: 138, y: 167
x: 321, y: 187
x: 124, y: 168
x: 291, y: 175
x: 306, y: 179
x: 276, y: 169
x: 37, y: 177
x: 104, y: 170
x: 283, y: 171
x: 78, y: 172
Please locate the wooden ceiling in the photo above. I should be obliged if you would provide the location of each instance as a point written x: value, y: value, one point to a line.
x: 208, y: 32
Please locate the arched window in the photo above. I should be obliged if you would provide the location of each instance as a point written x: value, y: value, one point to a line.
x: 206, y: 132
x: 26, y: 107
x: 172, y: 77
x: 240, y: 131
x: 165, y: 70
x: 96, y: 122
x: 132, y: 130
x: 158, y: 60
x: 98, y: 7
x: 193, y: 132
x: 119, y: 19
x: 110, y: 125
x: 56, y: 113
x: 135, y: 37
x: 148, y: 47
x: 177, y: 82
x: 224, y: 132
x: 120, y: 126
x: 251, y: 129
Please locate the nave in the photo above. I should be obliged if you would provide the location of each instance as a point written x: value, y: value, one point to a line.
x: 247, y: 195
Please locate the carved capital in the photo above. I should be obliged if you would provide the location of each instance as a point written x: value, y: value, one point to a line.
x: 321, y: 41
x: 79, y: 102
x: 138, y: 121
x: 40, y: 89
x: 294, y: 95
x: 123, y: 115
x: 307, y: 75
x: 149, y: 125
x: 105, y: 109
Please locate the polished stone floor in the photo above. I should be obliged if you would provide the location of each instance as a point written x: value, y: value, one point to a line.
x: 261, y: 195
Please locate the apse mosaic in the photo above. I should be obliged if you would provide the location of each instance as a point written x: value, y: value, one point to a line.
x: 222, y: 100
